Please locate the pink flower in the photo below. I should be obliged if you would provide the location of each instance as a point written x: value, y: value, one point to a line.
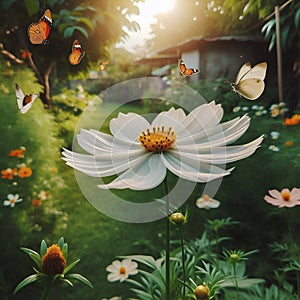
x: 285, y: 198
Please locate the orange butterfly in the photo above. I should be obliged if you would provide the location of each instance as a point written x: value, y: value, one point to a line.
x: 39, y: 32
x: 103, y: 64
x: 77, y: 53
x: 24, y: 101
x: 185, y: 71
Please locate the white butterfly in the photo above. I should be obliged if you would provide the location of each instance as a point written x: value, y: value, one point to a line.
x: 249, y: 81
x: 24, y: 101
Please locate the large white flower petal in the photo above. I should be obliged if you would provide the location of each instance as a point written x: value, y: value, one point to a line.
x: 198, y: 172
x: 221, y: 134
x: 203, y: 117
x: 128, y: 127
x: 96, y: 142
x: 216, y: 155
x: 105, y: 164
x: 145, y: 176
x: 172, y: 117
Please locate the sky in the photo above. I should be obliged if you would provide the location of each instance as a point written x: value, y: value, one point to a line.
x: 148, y: 9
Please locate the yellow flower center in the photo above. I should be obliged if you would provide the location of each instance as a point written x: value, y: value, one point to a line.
x: 12, y: 200
x: 122, y: 270
x: 286, y: 196
x: 206, y: 198
x: 157, y: 140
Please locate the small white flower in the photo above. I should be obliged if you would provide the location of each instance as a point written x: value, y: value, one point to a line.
x: 120, y: 270
x: 206, y: 202
x: 264, y: 111
x: 245, y: 108
x: 12, y: 200
x: 193, y: 147
x: 274, y: 135
x: 254, y: 107
x: 258, y: 113
x: 236, y: 109
x: 273, y: 148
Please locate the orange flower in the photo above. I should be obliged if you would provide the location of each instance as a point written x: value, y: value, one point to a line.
x: 17, y: 152
x: 8, y: 173
x: 36, y: 202
x: 294, y: 120
x: 53, y: 262
x: 24, y: 172
x: 289, y: 143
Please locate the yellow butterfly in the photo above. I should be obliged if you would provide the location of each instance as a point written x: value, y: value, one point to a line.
x: 249, y: 82
x: 103, y: 64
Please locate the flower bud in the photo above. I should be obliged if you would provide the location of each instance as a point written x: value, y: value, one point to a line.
x: 53, y: 262
x: 201, y: 292
x: 177, y: 218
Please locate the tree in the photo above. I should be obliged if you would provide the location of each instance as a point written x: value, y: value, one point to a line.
x: 96, y: 24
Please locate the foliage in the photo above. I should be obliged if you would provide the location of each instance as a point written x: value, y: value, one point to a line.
x: 96, y: 25
x: 289, y: 28
x: 49, y: 280
x: 40, y: 213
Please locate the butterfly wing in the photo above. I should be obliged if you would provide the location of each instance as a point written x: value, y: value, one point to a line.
x: 20, y: 95
x: 185, y: 71
x: 39, y: 32
x: 24, y: 101
x: 258, y: 71
x: 77, y: 54
x: 245, y: 68
x: 103, y: 64
x: 27, y: 102
x: 250, y: 88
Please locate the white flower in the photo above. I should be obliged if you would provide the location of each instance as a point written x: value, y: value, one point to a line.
x: 245, y: 108
x: 191, y: 146
x: 254, y: 107
x: 273, y: 148
x: 274, y: 135
x: 236, y: 109
x: 120, y: 270
x: 12, y: 200
x: 206, y: 202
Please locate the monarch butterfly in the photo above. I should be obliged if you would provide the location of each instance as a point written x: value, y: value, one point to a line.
x: 77, y: 53
x: 249, y: 81
x: 103, y: 64
x: 24, y: 101
x: 184, y: 70
x: 39, y: 32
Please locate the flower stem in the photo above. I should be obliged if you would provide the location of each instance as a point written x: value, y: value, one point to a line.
x: 183, y: 263
x: 236, y: 282
x: 167, y: 240
x: 47, y: 290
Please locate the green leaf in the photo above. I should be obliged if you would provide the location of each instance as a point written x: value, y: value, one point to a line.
x: 28, y: 280
x: 68, y: 32
x: 43, y: 248
x: 33, y: 255
x: 61, y: 242
x: 64, y: 250
x: 87, y: 22
x: 81, y: 279
x: 71, y: 266
x: 82, y: 30
x: 67, y: 281
x: 32, y: 7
